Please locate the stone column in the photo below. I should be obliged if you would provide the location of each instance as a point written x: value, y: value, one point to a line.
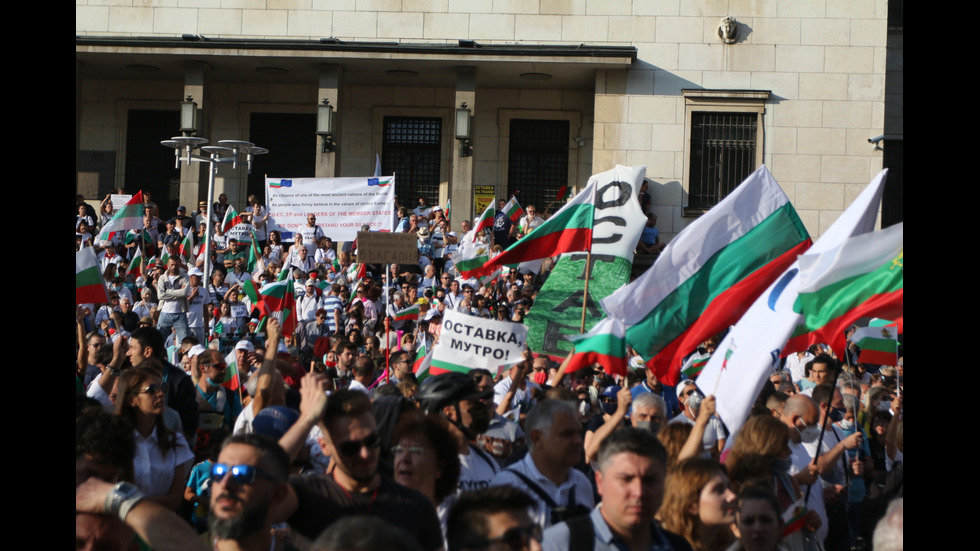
x: 194, y: 177
x: 328, y: 164
x: 461, y: 185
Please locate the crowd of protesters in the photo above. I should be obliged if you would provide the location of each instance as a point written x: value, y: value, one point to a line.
x: 198, y: 425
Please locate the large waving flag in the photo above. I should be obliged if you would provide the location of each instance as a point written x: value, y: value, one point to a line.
x: 129, y: 217
x: 878, y: 342
x: 513, y: 209
x: 232, y: 219
x: 470, y: 258
x: 568, y: 230
x: 605, y: 344
x: 135, y: 266
x: 485, y: 220
x: 864, y: 276
x: 408, y: 314
x: 709, y: 274
x: 89, y: 286
x: 746, y: 357
x: 276, y: 299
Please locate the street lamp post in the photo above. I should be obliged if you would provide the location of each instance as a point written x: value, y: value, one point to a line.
x: 228, y: 151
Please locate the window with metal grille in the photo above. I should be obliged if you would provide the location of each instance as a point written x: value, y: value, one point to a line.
x: 723, y: 153
x: 538, y: 161
x: 411, y: 150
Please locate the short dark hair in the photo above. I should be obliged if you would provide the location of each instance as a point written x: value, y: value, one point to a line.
x: 106, y: 438
x: 822, y: 394
x: 152, y: 338
x: 363, y: 366
x: 825, y: 359
x: 270, y: 452
x: 346, y: 345
x: 467, y: 523
x: 345, y: 403
x: 364, y: 533
x: 632, y: 440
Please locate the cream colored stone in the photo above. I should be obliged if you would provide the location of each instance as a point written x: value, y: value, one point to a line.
x: 701, y: 57
x: 668, y: 137
x: 608, y: 7
x: 628, y: 137
x: 795, y: 8
x: 821, y: 141
x: 288, y: 4
x: 400, y: 25
x: 810, y: 219
x: 747, y: 57
x: 784, y: 86
x: 355, y: 25
x: 857, y: 142
x: 845, y: 59
x: 865, y: 87
x: 91, y: 19
x: 309, y: 23
x: 825, y: 32
x: 639, y: 82
x: 540, y: 99
x: 655, y: 109
x: 800, y: 59
x: 670, y: 83
x: 787, y: 168
x: 378, y: 5
x: 562, y: 7
x: 714, y: 9
x: 819, y: 196
x: 828, y: 86
x: 632, y: 28
x: 853, y: 9
x: 665, y: 189
x: 781, y: 140
x: 243, y: 4
x: 845, y: 170
x: 612, y: 108
x: 426, y: 6
x: 847, y: 114
x: 470, y: 6
x: 540, y: 28
x: 598, y: 131
x: 446, y: 25
x: 726, y: 80
x: 779, y: 30
x: 657, y: 7
x: 752, y: 8
x: 335, y: 5
x: 264, y: 23
x: 491, y: 26
x: 683, y: 30
x: 209, y: 3
x: 606, y: 159
x: 581, y: 28
x: 868, y: 32
x: 130, y: 20
x: 220, y: 22
x: 515, y: 6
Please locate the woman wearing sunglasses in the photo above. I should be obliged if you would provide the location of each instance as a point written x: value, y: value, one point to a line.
x: 162, y: 455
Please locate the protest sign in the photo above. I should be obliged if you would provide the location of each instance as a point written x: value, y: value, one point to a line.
x: 466, y: 342
x: 341, y: 205
x: 387, y: 248
x: 482, y: 198
x: 619, y: 221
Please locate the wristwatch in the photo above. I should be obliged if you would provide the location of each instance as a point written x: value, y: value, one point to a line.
x: 121, y: 498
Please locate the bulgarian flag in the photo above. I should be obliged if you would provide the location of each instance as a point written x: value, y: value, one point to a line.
x: 709, y: 274
x: 276, y: 299
x: 408, y: 314
x: 152, y: 263
x: 253, y: 255
x: 335, y: 265
x: 449, y: 204
x: 187, y: 249
x: 356, y: 272
x: 136, y: 264
x: 864, y: 276
x: 693, y: 366
x: 232, y: 381
x: 129, y: 217
x: 605, y: 344
x: 422, y: 368
x: 485, y: 220
x: 232, y: 219
x: 470, y: 259
x: 878, y: 343
x: 568, y: 230
x: 513, y: 209
x: 89, y: 286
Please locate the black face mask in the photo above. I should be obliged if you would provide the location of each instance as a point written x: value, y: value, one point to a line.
x: 836, y: 414
x: 480, y: 414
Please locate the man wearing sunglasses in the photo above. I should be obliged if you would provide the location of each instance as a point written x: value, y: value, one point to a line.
x: 494, y: 519
x: 247, y: 482
x: 353, y: 486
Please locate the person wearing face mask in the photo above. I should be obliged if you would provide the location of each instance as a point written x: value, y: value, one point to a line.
x: 859, y: 461
x: 615, y: 401
x: 801, y: 416
x: 715, y: 435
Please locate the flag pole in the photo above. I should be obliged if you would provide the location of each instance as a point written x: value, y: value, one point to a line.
x: 588, y: 268
x: 823, y: 429
x: 388, y: 328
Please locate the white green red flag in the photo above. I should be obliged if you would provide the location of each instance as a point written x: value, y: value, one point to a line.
x: 135, y: 266
x: 422, y: 367
x: 152, y: 263
x: 129, y: 217
x: 449, y: 205
x: 864, y: 276
x: 232, y: 381
x: 89, y: 286
x: 568, y: 230
x: 231, y: 219
x: 187, y: 249
x: 605, y: 345
x: 513, y: 209
x: 694, y: 365
x: 709, y: 274
x: 485, y: 220
x: 408, y: 314
x: 878, y: 344
x: 276, y: 299
x: 746, y: 357
x: 471, y: 257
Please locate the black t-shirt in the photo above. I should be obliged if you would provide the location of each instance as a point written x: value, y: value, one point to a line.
x: 321, y: 501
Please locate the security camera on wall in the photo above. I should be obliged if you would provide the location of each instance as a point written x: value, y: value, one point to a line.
x: 877, y: 141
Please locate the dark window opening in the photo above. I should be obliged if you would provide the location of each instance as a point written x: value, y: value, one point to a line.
x: 723, y: 153
x: 412, y: 151
x: 149, y: 165
x: 291, y: 141
x: 538, y: 161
